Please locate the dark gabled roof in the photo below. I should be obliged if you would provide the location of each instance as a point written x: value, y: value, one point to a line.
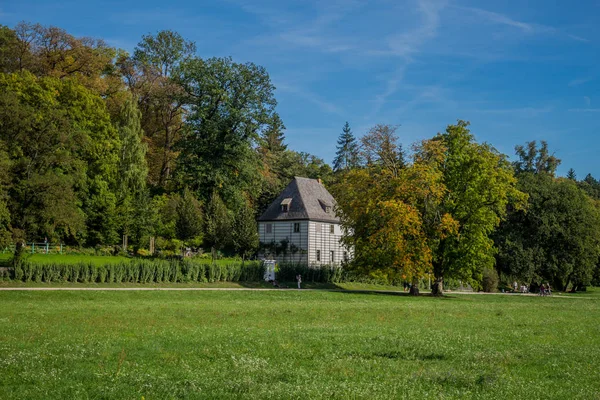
x: 308, y: 197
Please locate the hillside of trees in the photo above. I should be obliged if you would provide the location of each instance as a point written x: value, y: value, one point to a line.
x: 99, y: 147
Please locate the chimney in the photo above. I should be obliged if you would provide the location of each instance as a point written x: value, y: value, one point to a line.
x: 320, y: 181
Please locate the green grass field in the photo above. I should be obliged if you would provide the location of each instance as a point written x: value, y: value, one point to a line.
x: 295, y: 344
x: 67, y: 258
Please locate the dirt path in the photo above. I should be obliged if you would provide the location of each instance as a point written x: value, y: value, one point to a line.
x: 34, y: 289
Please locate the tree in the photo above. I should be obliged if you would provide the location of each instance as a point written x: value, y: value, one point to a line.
x: 5, y: 217
x: 132, y: 168
x: 480, y: 185
x: 534, y: 159
x: 557, y: 239
x: 64, y: 153
x: 149, y: 75
x: 392, y: 217
x: 230, y: 105
x: 347, y: 154
x: 189, y: 217
x: 217, y: 225
x: 380, y: 147
x: 245, y: 232
x: 571, y: 174
x: 51, y: 51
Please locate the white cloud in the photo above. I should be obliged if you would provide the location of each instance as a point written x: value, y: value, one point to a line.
x: 311, y: 97
x: 525, y: 27
x: 585, y: 110
x: 580, y: 81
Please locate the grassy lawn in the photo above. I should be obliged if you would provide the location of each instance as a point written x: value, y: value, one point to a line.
x: 294, y: 344
x: 67, y: 258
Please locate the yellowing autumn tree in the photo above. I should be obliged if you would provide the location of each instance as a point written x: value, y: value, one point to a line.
x: 392, y: 215
x: 433, y: 215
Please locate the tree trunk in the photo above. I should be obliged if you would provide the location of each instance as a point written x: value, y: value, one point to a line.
x: 437, y: 289
x: 414, y: 288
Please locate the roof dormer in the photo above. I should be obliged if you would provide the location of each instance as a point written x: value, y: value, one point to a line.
x: 326, y: 206
x: 285, y: 204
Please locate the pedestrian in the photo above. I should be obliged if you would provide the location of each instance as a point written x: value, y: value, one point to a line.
x: 515, y: 286
x: 542, y: 290
x: 299, y: 279
x: 548, y: 290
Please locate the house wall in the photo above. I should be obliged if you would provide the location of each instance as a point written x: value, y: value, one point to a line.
x: 281, y: 230
x: 313, y: 237
x: 321, y: 239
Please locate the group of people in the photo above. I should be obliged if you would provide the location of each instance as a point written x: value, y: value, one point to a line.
x: 545, y: 289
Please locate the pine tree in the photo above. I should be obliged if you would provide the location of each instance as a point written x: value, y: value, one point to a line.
x: 346, y: 156
x: 571, y: 174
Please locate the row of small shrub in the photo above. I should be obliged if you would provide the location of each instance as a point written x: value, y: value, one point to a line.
x: 287, y: 272
x: 138, y: 271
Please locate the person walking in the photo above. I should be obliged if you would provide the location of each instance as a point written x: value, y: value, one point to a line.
x: 299, y: 279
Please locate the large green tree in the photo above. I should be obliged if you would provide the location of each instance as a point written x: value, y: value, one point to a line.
x: 480, y: 187
x: 149, y: 76
x: 64, y: 153
x: 557, y: 238
x: 230, y: 105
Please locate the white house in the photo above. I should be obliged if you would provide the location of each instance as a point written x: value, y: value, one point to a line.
x: 300, y: 226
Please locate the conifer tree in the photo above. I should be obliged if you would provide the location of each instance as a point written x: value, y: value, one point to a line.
x: 346, y: 156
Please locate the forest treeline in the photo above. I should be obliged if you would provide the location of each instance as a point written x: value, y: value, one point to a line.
x: 97, y: 144
x: 163, y: 146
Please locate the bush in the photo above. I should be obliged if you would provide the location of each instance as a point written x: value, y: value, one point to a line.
x: 149, y: 270
x: 490, y: 280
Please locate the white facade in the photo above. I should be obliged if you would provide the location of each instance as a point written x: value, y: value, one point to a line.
x: 309, y: 242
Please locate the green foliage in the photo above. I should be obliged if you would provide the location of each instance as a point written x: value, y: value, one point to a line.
x: 481, y: 186
x: 490, y: 280
x: 217, y: 224
x: 543, y: 243
x: 230, y: 105
x: 347, y: 155
x: 139, y: 271
x: 245, y: 232
x: 189, y: 217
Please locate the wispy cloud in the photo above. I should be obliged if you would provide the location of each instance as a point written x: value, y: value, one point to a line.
x: 527, y: 111
x: 585, y: 110
x: 405, y: 44
x: 525, y: 27
x: 311, y: 97
x: 580, y: 81
x: 588, y: 101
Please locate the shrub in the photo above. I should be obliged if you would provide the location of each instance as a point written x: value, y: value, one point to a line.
x: 490, y: 280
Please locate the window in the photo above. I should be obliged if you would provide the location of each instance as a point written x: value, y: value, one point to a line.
x: 318, y: 227
x: 296, y: 227
x: 332, y: 256
x: 284, y: 208
x: 318, y: 255
x: 332, y: 229
x: 269, y: 228
x: 327, y: 209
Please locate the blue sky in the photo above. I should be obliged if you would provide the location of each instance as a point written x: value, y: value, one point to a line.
x: 517, y: 70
